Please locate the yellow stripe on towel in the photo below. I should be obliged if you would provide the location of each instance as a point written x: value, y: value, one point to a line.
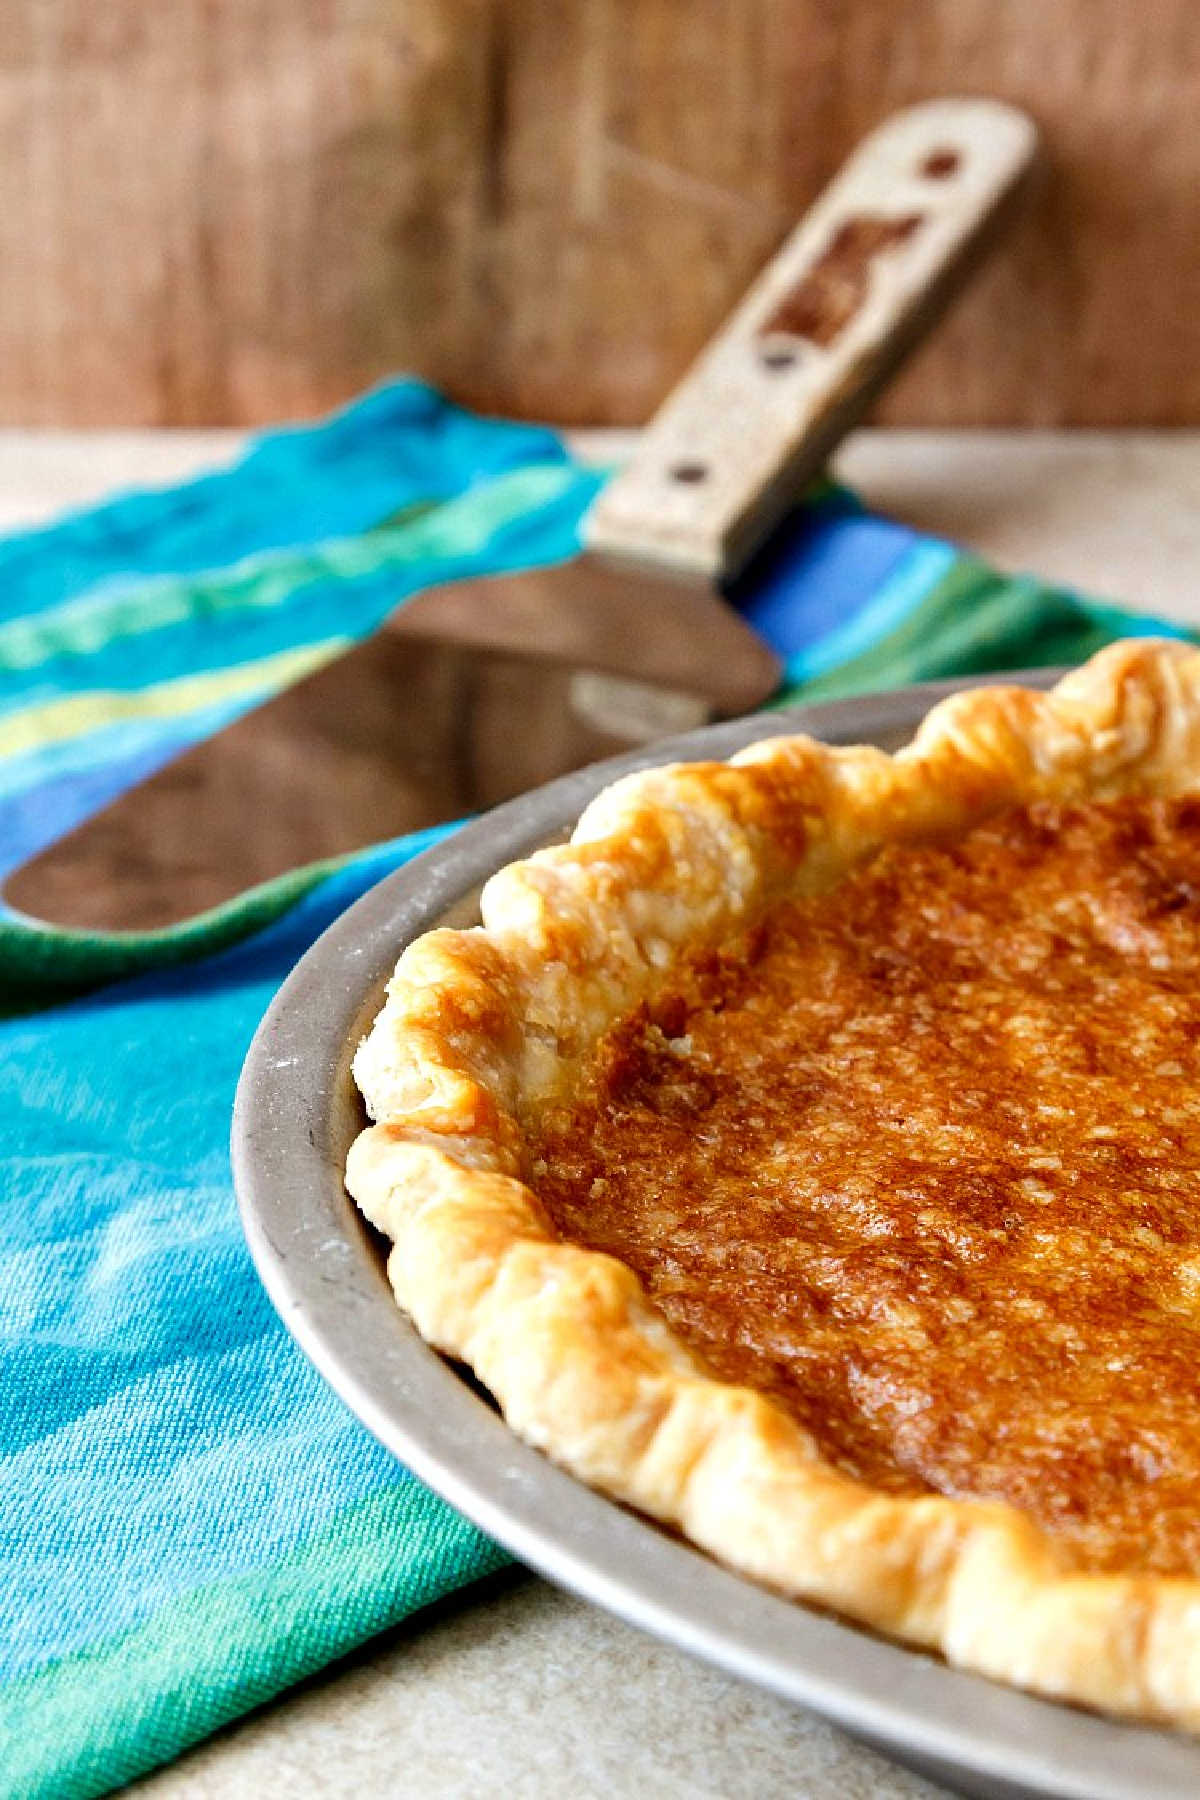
x: 57, y: 721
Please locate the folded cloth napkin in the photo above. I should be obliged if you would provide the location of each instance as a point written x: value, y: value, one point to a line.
x: 189, y: 1520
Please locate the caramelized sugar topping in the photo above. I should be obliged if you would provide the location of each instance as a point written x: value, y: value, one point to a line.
x: 921, y: 1159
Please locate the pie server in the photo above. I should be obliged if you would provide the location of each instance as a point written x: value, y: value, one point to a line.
x: 473, y: 692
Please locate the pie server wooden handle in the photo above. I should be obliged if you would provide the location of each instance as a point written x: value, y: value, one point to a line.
x: 853, y: 288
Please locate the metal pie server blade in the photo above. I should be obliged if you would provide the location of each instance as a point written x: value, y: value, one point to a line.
x: 474, y: 691
x: 414, y: 726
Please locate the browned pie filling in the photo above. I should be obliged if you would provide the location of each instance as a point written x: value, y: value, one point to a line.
x: 921, y: 1159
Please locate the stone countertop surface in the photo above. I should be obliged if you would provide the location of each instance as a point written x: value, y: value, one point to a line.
x: 514, y: 1687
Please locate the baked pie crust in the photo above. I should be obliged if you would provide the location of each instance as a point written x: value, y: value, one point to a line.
x: 494, y: 1043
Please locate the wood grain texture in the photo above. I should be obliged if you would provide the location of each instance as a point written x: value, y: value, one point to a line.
x: 234, y: 210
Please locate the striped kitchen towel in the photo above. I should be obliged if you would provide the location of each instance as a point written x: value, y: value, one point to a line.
x: 189, y: 1520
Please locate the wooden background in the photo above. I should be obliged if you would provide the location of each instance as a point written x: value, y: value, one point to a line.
x: 220, y: 211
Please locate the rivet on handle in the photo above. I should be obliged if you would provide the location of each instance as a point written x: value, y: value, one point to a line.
x: 940, y: 164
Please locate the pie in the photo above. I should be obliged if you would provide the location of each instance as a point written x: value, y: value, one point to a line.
x: 808, y: 1155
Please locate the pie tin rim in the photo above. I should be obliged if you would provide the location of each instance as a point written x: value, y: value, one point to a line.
x: 294, y: 1115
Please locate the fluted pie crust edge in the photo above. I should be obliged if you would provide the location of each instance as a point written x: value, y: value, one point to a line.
x: 482, y: 1027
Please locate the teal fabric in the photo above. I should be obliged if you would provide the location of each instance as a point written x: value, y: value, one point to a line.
x: 189, y: 1520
